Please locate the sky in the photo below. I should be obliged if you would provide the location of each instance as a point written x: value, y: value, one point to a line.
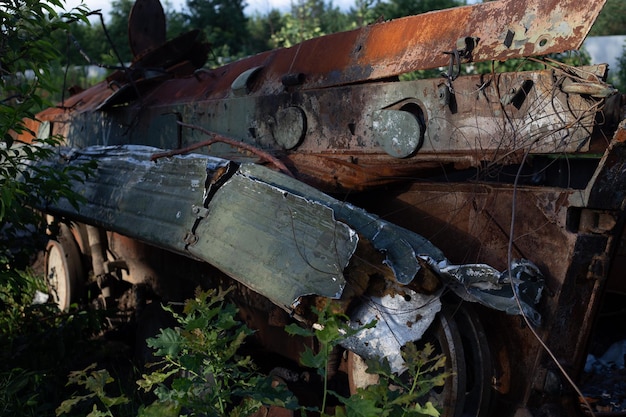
x: 254, y: 6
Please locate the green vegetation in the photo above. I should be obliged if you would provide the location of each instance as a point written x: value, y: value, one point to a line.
x: 200, y: 371
x: 329, y: 331
x: 393, y: 395
x: 95, y: 383
x: 38, y: 344
x: 38, y: 347
x: 426, y: 372
x: 612, y: 19
x: 27, y: 62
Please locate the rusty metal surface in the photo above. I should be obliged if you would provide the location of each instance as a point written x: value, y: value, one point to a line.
x: 491, y: 118
x: 570, y: 233
x: 495, y: 118
x: 280, y: 238
x: 507, y: 29
x: 471, y: 222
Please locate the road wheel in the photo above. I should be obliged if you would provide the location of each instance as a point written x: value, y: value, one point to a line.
x: 457, y: 333
x: 480, y: 370
x: 64, y: 271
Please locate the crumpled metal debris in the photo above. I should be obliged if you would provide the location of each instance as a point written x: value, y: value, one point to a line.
x: 405, y: 253
x: 40, y: 298
x: 400, y: 319
x: 604, y: 385
x: 288, y: 238
x: 613, y: 358
x: 485, y: 285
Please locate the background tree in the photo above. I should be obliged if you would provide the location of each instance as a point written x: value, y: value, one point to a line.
x: 84, y: 47
x: 612, y: 19
x: 301, y: 24
x: 176, y: 21
x: 393, y: 9
x: 223, y: 22
x: 363, y: 13
x: 308, y: 19
x: 262, y: 28
x: 27, y: 56
x: 620, y: 77
x: 610, y: 22
x: 331, y: 18
x: 117, y: 28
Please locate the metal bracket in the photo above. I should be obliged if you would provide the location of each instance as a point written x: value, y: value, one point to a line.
x: 200, y: 212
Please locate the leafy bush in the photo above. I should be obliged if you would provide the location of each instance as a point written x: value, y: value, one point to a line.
x: 393, y: 395
x: 426, y: 372
x: 38, y: 345
x: 27, y: 54
x: 36, y: 340
x: 18, y: 393
x: 201, y: 371
x: 95, y: 383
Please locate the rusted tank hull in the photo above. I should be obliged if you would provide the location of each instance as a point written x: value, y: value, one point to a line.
x: 570, y: 233
x: 500, y: 30
x: 501, y: 192
x: 386, y: 132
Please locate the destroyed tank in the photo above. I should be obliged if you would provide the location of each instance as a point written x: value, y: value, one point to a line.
x: 482, y: 212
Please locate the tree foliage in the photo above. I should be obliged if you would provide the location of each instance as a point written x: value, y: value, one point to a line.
x: 117, y: 28
x: 611, y: 22
x: 620, y: 77
x: 398, y: 8
x: 262, y: 30
x: 304, y: 22
x: 612, y: 19
x: 28, y: 53
x: 223, y: 22
x: 201, y: 368
x: 363, y: 13
x: 32, y: 339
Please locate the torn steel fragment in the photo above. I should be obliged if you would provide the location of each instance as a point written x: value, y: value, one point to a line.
x: 515, y: 291
x: 278, y: 236
x: 400, y: 318
x: 405, y: 249
x: 279, y: 244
